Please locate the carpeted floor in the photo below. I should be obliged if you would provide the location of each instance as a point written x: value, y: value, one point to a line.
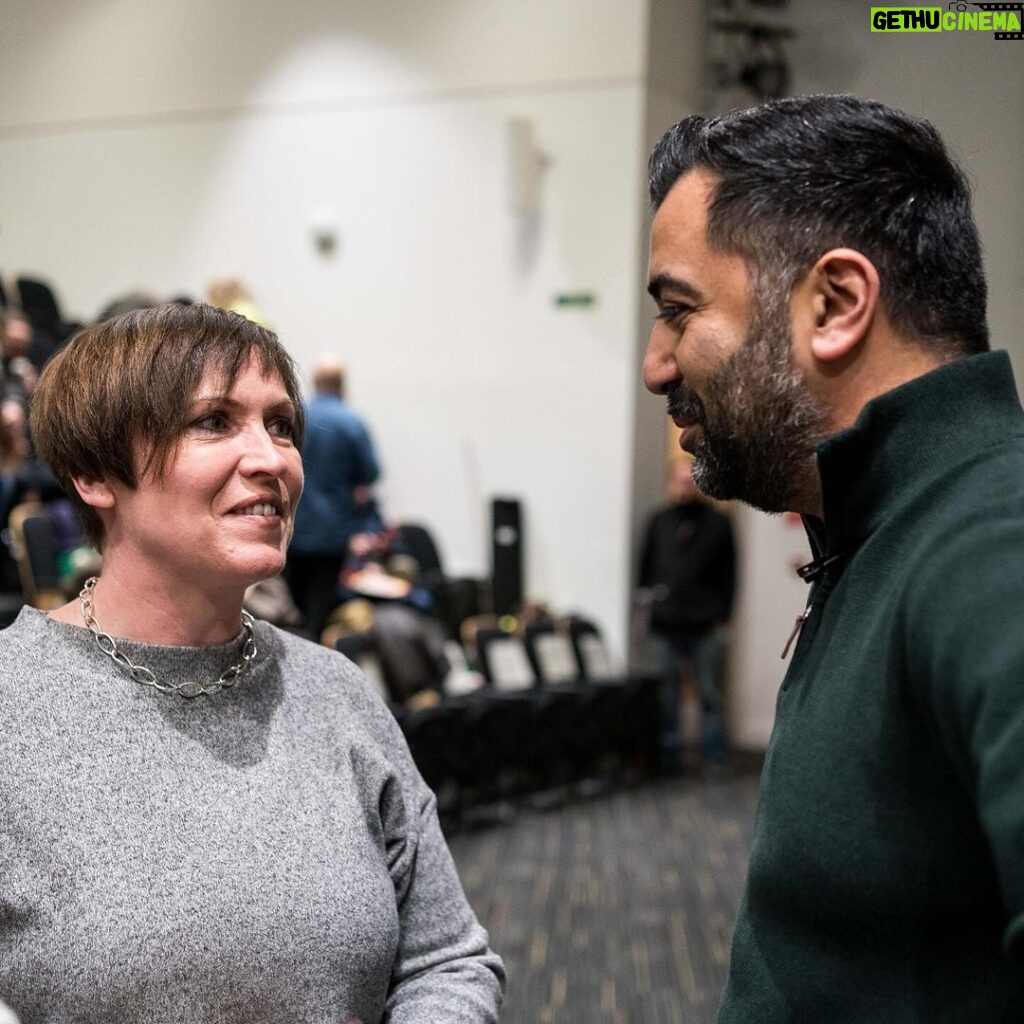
x: 617, y: 909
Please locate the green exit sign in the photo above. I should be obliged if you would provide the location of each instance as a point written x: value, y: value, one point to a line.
x: 575, y: 300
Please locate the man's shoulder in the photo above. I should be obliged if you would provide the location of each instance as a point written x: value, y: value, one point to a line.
x: 970, y: 534
x: 987, y: 484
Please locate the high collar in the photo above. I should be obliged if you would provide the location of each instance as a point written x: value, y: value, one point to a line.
x: 907, y: 437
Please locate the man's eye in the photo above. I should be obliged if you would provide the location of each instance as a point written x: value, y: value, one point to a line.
x: 672, y: 314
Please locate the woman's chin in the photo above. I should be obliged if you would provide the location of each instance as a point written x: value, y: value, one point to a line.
x: 257, y: 570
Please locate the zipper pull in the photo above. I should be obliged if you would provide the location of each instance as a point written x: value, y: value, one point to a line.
x: 797, y: 626
x: 815, y: 570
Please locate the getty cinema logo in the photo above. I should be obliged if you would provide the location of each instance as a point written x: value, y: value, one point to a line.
x: 1002, y: 19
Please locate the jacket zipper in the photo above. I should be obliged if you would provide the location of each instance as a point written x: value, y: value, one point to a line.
x: 797, y: 626
x: 816, y: 571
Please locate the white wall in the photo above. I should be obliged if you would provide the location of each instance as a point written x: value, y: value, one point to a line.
x: 675, y: 77
x: 156, y: 144
x: 66, y: 61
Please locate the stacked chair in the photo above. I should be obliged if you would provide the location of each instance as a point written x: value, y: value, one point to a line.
x: 545, y: 711
x: 550, y: 714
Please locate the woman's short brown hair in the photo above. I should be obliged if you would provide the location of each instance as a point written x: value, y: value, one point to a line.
x: 114, y: 402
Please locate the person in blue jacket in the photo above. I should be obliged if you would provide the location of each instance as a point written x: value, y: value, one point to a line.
x: 340, y: 465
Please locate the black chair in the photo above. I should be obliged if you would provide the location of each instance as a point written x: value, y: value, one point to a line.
x: 457, y: 598
x: 505, y: 662
x: 419, y: 543
x: 49, y: 329
x: 35, y: 545
x: 12, y: 599
x: 551, y: 654
x: 541, y: 672
x: 598, y: 723
x: 39, y: 304
x: 623, y: 708
x: 10, y: 607
x: 436, y: 738
x: 497, y: 729
x: 590, y: 650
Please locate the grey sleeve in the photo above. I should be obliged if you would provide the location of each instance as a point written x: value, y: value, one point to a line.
x: 444, y: 970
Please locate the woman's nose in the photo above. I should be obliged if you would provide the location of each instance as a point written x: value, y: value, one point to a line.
x: 263, y: 453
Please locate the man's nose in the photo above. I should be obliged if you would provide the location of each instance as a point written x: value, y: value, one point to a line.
x: 659, y: 366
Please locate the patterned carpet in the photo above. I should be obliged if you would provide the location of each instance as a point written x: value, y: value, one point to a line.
x: 617, y: 909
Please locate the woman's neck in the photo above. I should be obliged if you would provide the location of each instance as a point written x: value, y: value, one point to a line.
x: 140, y: 606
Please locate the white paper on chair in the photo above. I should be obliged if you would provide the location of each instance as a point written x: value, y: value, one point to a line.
x: 596, y: 663
x: 557, y: 663
x: 510, y: 668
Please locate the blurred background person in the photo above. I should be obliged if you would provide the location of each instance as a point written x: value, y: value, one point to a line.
x: 340, y: 466
x: 137, y: 298
x: 688, y: 579
x: 231, y: 294
x: 15, y: 343
x: 23, y: 478
x: 13, y: 453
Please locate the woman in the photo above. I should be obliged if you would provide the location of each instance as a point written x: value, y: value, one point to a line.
x: 203, y: 818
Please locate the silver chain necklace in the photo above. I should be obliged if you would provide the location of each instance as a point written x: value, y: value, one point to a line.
x: 108, y: 645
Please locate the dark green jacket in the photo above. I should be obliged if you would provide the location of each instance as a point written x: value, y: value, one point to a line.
x: 887, y: 870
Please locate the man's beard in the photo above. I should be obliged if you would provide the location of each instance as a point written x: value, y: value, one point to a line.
x: 758, y: 423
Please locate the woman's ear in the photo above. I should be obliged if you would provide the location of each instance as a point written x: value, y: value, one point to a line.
x: 96, y: 493
x: 843, y: 289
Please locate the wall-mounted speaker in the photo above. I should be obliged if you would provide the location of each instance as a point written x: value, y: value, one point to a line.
x: 506, y: 555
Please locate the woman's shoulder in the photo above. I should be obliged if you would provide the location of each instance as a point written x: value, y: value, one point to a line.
x: 31, y: 637
x: 22, y: 648
x: 332, y: 703
x: 312, y: 671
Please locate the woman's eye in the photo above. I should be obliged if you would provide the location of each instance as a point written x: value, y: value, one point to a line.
x: 211, y: 421
x: 282, y: 428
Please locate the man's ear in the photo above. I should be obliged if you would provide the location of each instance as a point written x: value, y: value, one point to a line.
x: 96, y: 493
x: 843, y: 290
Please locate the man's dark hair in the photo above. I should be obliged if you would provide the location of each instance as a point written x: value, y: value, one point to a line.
x: 797, y: 177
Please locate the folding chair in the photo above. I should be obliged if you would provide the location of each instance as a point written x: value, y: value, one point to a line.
x: 35, y: 546
x: 505, y: 661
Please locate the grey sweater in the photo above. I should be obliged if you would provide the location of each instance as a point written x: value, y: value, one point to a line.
x: 266, y: 854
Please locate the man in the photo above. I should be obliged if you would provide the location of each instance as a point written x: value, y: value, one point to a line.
x: 339, y: 464
x: 688, y: 573
x: 822, y: 342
